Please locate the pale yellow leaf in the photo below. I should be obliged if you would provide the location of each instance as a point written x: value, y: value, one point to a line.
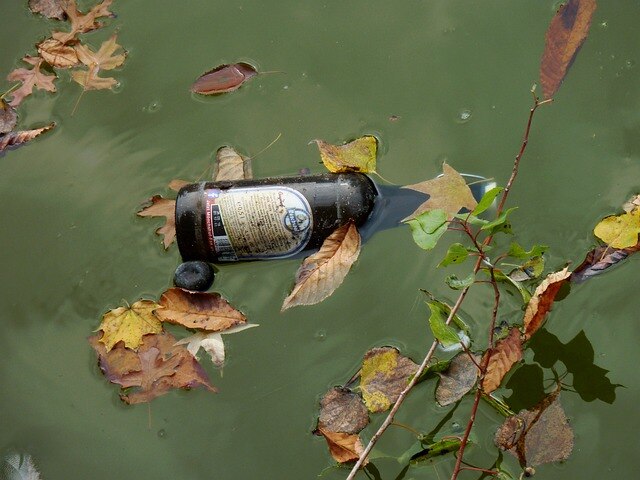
x: 356, y: 156
x: 619, y: 231
x: 129, y: 324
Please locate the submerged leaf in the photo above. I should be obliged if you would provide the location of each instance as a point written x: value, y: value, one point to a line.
x: 48, y: 8
x: 129, y: 324
x: 504, y: 355
x: 222, y: 79
x: 16, y: 139
x: 428, y: 227
x: 358, y: 155
x: 230, y: 165
x: 599, y: 259
x: 162, y: 207
x: 542, y: 300
x: 321, y: 273
x: 457, y: 380
x: 201, y: 310
x: 385, y: 373
x: 448, y: 192
x: 566, y: 34
x: 342, y: 411
x: 29, y: 79
x: 619, y: 231
x: 344, y: 447
x: 212, y: 343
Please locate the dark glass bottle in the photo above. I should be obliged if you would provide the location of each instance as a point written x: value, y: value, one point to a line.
x: 269, y: 218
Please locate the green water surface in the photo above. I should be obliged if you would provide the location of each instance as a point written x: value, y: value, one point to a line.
x: 457, y: 75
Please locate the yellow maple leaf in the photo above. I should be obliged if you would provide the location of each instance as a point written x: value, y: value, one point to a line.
x: 619, y: 231
x: 129, y: 324
x: 356, y: 156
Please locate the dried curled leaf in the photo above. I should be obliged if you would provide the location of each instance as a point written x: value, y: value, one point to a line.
x: 57, y: 54
x: 504, y: 355
x: 342, y: 411
x: 619, y: 231
x: 448, y: 192
x: 205, y: 311
x: 537, y: 436
x: 162, y: 207
x: 211, y: 343
x: 8, y: 117
x: 356, y: 156
x: 129, y: 324
x: 385, y: 373
x: 49, y: 8
x: 224, y: 78
x: 599, y: 259
x: 30, y: 78
x: 566, y: 34
x: 82, y: 22
x: 457, y: 380
x: 321, y: 273
x: 230, y: 165
x: 156, y: 368
x: 16, y: 139
x: 542, y: 300
x: 344, y: 447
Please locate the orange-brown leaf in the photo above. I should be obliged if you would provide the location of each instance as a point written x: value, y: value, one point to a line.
x: 566, y: 34
x: 344, y: 447
x: 177, y: 184
x: 503, y: 356
x: 162, y: 207
x: 224, y: 78
x: 205, y: 311
x: 82, y: 22
x: 29, y: 79
x: 16, y: 139
x: 57, y: 54
x: 542, y: 301
x: 321, y: 273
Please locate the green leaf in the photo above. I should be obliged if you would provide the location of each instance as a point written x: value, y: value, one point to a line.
x: 444, y: 333
x: 500, y: 224
x: 432, y: 370
x: 457, y: 253
x: 529, y: 270
x: 455, y: 283
x: 487, y: 200
x: 516, y: 251
x: 471, y: 219
x: 428, y: 227
x: 437, y: 449
x: 501, y: 277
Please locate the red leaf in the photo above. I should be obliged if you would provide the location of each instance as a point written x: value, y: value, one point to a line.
x: 542, y: 301
x: 225, y: 78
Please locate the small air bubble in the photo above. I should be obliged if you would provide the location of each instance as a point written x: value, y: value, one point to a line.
x: 153, y: 107
x: 463, y: 115
x: 629, y: 64
x: 162, y: 433
x: 456, y: 428
x: 286, y: 87
x: 117, y: 88
x: 320, y: 335
x: 604, y: 24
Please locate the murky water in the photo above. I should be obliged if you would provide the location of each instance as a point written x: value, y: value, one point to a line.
x: 436, y: 80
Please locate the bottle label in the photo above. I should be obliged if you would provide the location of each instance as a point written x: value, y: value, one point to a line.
x: 257, y: 222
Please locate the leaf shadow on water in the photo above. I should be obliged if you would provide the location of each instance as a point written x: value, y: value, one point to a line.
x: 589, y: 380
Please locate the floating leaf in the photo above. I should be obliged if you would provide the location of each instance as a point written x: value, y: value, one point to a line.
x: 457, y: 253
x: 129, y: 324
x: 542, y: 300
x: 445, y: 334
x: 619, y: 231
x: 30, y: 78
x: 457, y: 380
x: 504, y: 355
x: 222, y: 79
x: 435, y: 450
x: 566, y: 34
x: 8, y: 117
x: 16, y: 466
x: 599, y: 259
x: 356, y: 156
x: 321, y: 273
x: 48, y: 8
x: 230, y: 165
x: 529, y: 270
x: 342, y: 411
x: 428, y: 227
x: 516, y: 251
x: 448, y: 192
x: 103, y: 59
x: 57, y: 54
x: 343, y: 447
x: 162, y: 207
x: 456, y: 283
x: 385, y: 373
x: 16, y: 139
x: 537, y: 436
x: 157, y: 367
x: 81, y: 22
x: 212, y: 343
x: 487, y: 200
x: 201, y: 310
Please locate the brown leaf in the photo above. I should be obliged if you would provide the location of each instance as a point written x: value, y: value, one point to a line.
x: 82, y: 22
x: 537, y: 436
x: 342, y: 411
x: 8, y: 117
x: 16, y: 139
x: 29, y: 79
x: 57, y: 54
x: 448, y: 192
x: 205, y: 311
x: 343, y: 447
x: 222, y: 79
x: 162, y: 207
x: 48, y: 8
x: 598, y: 260
x: 157, y: 367
x: 457, y: 379
x: 177, y: 184
x: 632, y: 204
x: 321, y: 273
x: 542, y: 301
x: 504, y: 355
x: 230, y: 165
x: 103, y: 59
x: 385, y: 373
x: 566, y: 34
